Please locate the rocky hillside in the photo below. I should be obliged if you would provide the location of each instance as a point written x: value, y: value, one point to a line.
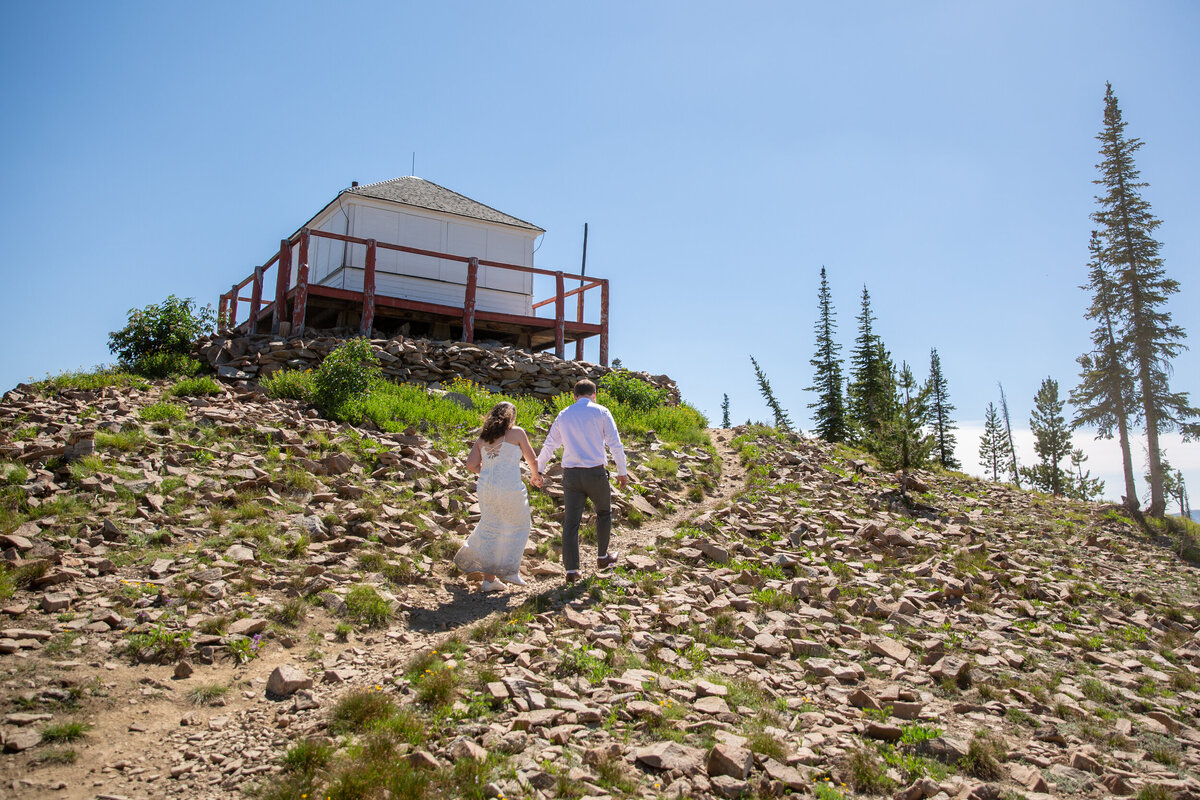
x: 251, y: 600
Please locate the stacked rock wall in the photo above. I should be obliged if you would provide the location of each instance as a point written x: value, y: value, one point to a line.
x: 498, y: 367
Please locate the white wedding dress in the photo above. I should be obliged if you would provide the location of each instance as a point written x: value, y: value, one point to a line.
x: 498, y: 542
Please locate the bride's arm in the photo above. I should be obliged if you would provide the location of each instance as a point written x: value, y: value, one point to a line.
x: 530, y: 456
x: 475, y: 459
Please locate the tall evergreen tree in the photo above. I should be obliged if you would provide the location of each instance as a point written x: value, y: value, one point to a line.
x: 904, y: 444
x: 1051, y: 441
x: 1105, y: 393
x: 725, y: 412
x: 1014, y: 471
x: 1147, y: 334
x: 993, y: 445
x: 871, y: 393
x: 830, y: 413
x: 939, y: 414
x: 764, y: 387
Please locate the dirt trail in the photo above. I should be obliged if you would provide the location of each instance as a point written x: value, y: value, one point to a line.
x: 468, y: 607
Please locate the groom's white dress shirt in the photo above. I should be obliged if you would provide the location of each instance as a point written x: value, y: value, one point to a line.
x: 583, y: 430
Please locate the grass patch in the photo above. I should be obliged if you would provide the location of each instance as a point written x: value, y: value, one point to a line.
x: 64, y: 732
x: 97, y: 378
x: 162, y: 412
x: 208, y: 694
x: 196, y: 387
x: 866, y: 772
x: 983, y: 758
x: 356, y: 711
x: 57, y: 756
x: 125, y: 441
x: 366, y: 607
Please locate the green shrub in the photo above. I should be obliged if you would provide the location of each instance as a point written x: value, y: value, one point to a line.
x: 345, y: 376
x: 158, y: 412
x: 194, y: 387
x: 293, y: 383
x: 159, y: 337
x: 631, y: 390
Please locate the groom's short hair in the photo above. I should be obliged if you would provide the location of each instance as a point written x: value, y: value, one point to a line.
x: 585, y: 388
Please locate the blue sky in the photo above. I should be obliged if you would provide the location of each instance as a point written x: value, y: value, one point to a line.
x: 939, y: 153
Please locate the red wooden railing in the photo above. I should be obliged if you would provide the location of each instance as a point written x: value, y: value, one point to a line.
x: 298, y: 295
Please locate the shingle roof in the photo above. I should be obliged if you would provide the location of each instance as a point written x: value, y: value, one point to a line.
x: 414, y: 191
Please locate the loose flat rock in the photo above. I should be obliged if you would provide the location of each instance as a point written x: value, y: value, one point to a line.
x: 724, y: 759
x: 669, y: 756
x: 287, y: 679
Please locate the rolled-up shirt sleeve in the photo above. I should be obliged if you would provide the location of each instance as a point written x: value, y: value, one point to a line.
x: 612, y: 440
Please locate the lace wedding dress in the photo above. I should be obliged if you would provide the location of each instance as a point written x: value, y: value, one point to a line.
x: 498, y: 542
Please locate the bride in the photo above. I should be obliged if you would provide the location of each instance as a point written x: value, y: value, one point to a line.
x: 498, y: 542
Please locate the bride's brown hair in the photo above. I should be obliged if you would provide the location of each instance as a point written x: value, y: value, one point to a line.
x: 498, y: 421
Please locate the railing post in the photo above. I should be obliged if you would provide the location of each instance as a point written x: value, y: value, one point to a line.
x: 231, y: 322
x: 301, y: 303
x: 560, y: 330
x: 579, y: 318
x: 281, y: 285
x: 468, y: 334
x: 255, y: 300
x: 604, y: 323
x: 368, y: 310
x: 222, y: 310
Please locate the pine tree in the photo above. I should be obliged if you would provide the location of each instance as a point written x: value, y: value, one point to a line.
x: 830, y: 414
x: 939, y: 414
x: 871, y: 393
x: 764, y: 386
x: 1142, y: 289
x: 1014, y: 471
x: 904, y: 444
x: 725, y: 412
x: 993, y: 445
x: 1105, y: 393
x: 1051, y: 440
x: 1084, y: 486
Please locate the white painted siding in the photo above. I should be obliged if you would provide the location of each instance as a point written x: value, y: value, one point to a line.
x: 423, y: 278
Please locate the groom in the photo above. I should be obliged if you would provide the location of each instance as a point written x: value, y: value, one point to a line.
x: 583, y: 430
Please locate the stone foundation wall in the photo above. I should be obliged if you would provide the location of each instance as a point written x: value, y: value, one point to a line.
x: 498, y: 367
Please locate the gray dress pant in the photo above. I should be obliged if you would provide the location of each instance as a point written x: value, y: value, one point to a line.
x: 579, y: 484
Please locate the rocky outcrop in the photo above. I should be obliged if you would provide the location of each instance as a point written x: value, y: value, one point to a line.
x: 498, y: 367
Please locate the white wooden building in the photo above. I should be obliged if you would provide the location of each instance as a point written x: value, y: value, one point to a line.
x: 322, y: 276
x: 418, y: 213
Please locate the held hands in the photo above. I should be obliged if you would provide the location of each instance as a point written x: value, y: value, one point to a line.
x: 536, y: 480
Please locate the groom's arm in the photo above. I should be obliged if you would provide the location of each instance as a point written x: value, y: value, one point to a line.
x: 552, y: 443
x: 612, y: 440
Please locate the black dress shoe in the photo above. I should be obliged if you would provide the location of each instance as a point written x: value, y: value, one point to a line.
x: 606, y: 561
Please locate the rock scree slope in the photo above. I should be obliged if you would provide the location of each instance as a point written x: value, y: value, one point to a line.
x: 186, y: 602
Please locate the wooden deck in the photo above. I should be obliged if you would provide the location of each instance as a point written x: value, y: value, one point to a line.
x: 294, y: 306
